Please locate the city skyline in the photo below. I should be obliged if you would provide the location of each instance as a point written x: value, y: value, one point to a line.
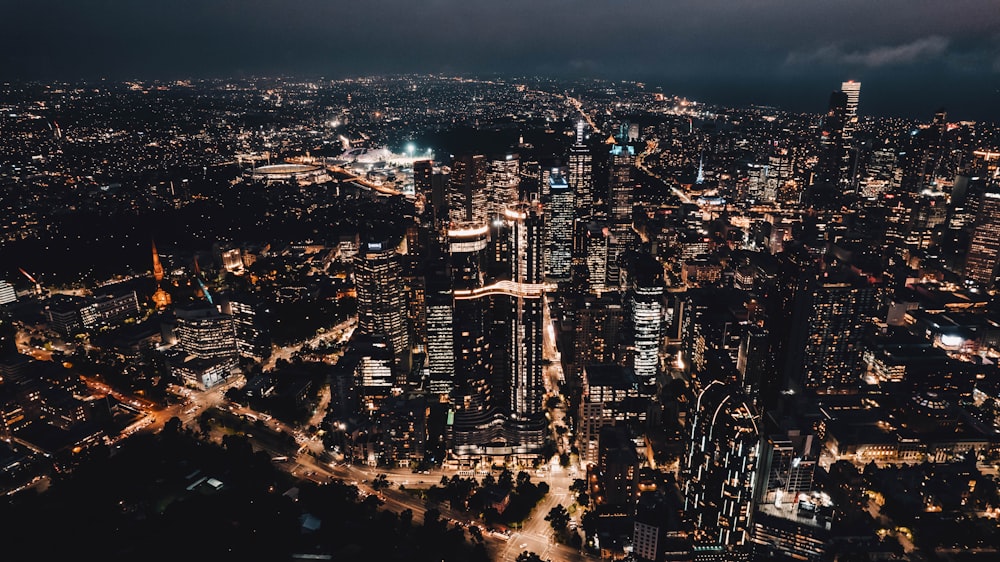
x: 914, y: 57
x: 423, y: 317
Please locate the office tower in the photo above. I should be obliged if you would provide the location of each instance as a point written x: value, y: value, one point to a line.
x: 526, y: 423
x: 252, y: 337
x: 581, y: 174
x: 721, y: 466
x: 7, y: 293
x: 792, y: 521
x: 204, y: 332
x: 755, y: 362
x: 440, y: 334
x: 374, y: 379
x: 829, y: 318
x: 984, y: 248
x: 503, y: 180
x: 644, y: 314
x: 597, y: 330
x: 430, y: 183
x: 788, y: 463
x: 468, y: 198
x: 832, y: 158
x: 852, y: 90
x: 621, y: 201
x: 559, y: 223
x: 621, y: 189
x: 597, y: 250
x: 378, y: 278
x: 614, y: 478
x: 418, y: 239
x: 476, y: 420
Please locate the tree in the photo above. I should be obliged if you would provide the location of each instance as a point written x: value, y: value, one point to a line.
x: 527, y: 556
x: 558, y: 518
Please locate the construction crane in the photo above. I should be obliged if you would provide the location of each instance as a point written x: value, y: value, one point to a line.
x: 37, y: 287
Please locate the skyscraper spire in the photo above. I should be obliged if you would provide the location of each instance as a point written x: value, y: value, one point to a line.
x: 157, y: 267
x: 701, y: 169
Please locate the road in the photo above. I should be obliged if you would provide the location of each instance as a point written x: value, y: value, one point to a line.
x: 640, y: 163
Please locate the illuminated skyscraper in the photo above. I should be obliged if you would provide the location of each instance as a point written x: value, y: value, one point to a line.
x: 503, y: 179
x: 581, y: 174
x: 476, y: 420
x: 468, y: 198
x: 526, y: 422
x: 853, y: 91
x: 720, y: 468
x: 828, y: 325
x: 440, y: 335
x: 559, y: 212
x: 644, y: 315
x: 984, y: 248
x: 378, y: 277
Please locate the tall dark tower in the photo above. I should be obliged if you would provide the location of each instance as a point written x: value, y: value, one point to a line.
x: 833, y: 159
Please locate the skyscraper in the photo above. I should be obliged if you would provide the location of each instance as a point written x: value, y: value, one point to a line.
x: 644, y: 315
x: 526, y: 423
x: 378, y: 277
x: 720, y: 468
x: 468, y: 198
x: 581, y: 174
x: 984, y: 248
x: 851, y: 160
x: 559, y: 213
x: 828, y: 325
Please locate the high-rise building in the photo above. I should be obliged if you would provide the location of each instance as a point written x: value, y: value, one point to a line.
x: 440, y: 334
x: 468, y: 197
x: 828, y: 326
x: 720, y: 468
x: 7, y: 293
x: 621, y: 189
x: 503, y: 180
x: 526, y: 422
x: 378, y: 278
x: 581, y: 174
x: 984, y: 248
x: 204, y: 332
x: 853, y: 91
x: 832, y: 158
x: 644, y: 315
x: 559, y: 212
x: 476, y: 420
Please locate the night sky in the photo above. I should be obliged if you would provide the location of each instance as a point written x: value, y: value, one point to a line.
x: 912, y: 56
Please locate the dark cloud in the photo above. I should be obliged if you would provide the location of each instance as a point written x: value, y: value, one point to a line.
x: 741, y: 46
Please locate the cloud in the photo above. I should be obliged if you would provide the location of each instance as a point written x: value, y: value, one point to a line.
x: 921, y: 49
